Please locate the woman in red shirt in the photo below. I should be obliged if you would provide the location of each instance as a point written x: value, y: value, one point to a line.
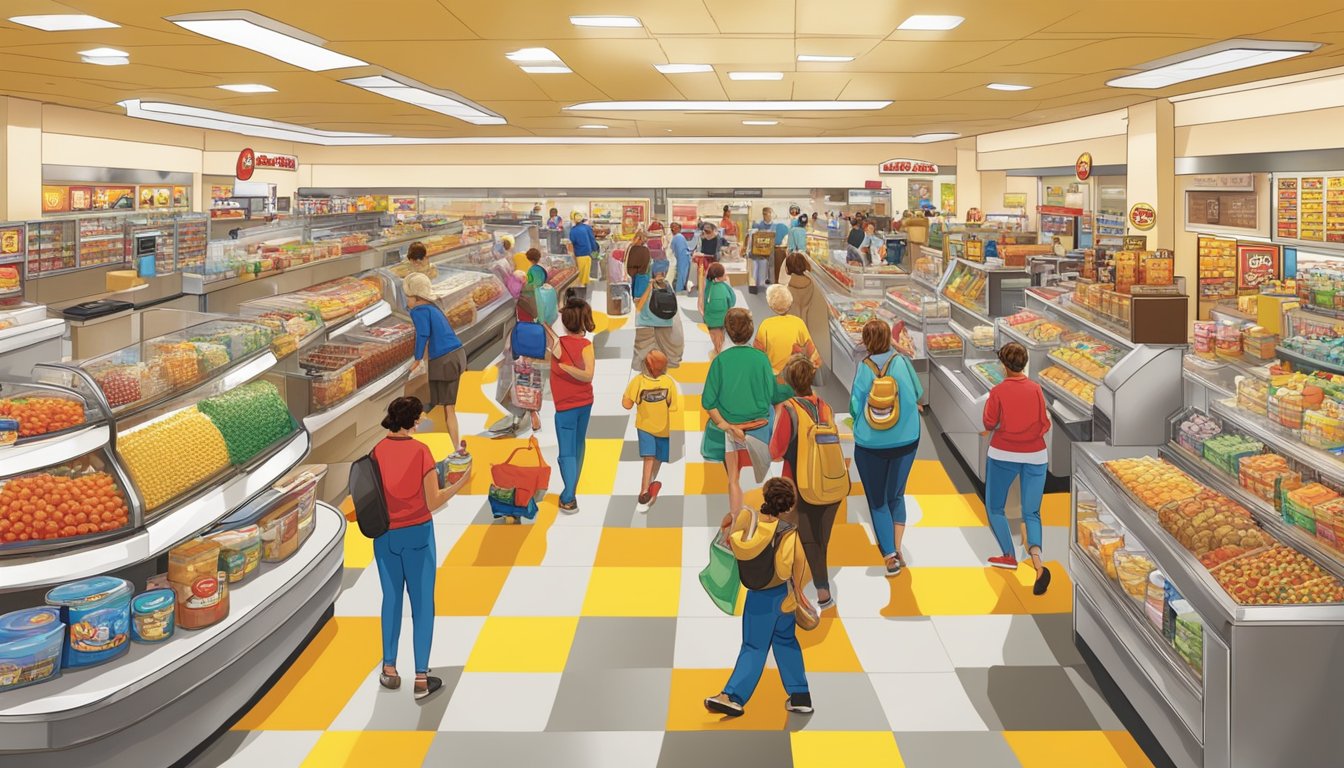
x: 405, y: 554
x: 1016, y: 416
x: 572, y: 367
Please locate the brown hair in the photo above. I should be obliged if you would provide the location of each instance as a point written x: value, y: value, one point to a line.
x: 1013, y: 356
x: 799, y: 373
x: 796, y: 264
x: 416, y: 251
x: 714, y: 272
x: 655, y: 363
x: 533, y: 255
x: 778, y: 496
x: 577, y: 316
x: 876, y: 337
x: 739, y: 325
x: 403, y: 413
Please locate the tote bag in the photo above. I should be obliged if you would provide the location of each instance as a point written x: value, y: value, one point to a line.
x: 720, y: 578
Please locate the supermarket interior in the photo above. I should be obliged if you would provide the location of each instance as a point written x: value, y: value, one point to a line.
x: 234, y: 237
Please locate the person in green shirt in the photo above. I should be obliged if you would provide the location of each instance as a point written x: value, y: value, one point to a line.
x: 717, y: 297
x: 741, y: 391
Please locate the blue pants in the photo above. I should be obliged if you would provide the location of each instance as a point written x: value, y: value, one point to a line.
x: 761, y: 269
x: 999, y: 477
x: 407, y: 563
x: 884, y: 473
x: 683, y: 272
x: 765, y: 627
x: 571, y: 427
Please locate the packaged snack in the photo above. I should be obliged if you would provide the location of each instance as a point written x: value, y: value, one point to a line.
x: 202, y: 602
x: 97, y: 612
x: 1155, y: 599
x: 1227, y: 341
x: 239, y: 552
x: 193, y: 560
x: 1189, y: 637
x: 152, y: 616
x: 279, y: 533
x: 1132, y: 566
x: 30, y: 647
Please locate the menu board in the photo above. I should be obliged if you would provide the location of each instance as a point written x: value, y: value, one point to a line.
x: 64, y: 198
x: 1311, y: 208
x: 1225, y: 210
x: 1334, y: 209
x: 1285, y: 209
x: 1257, y: 264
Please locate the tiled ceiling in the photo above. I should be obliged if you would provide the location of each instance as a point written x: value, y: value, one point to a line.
x: 1065, y: 49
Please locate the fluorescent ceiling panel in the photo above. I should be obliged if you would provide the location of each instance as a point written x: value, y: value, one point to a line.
x: 63, y: 22
x: 247, y: 88
x: 930, y: 23
x: 727, y: 106
x: 443, y: 102
x: 594, y: 126
x: 533, y: 56
x: 760, y: 122
x: 545, y: 69
x: 605, y: 21
x: 755, y: 75
x: 1007, y: 87
x: 824, y: 59
x: 1212, y: 60
x: 106, y: 57
x: 682, y: 69
x: 269, y: 38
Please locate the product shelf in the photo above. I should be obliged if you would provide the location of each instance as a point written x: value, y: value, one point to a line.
x: 1070, y: 399
x: 1282, y: 439
x: 1071, y: 369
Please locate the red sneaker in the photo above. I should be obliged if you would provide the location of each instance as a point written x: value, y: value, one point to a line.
x: 1004, y: 561
x: 654, y: 488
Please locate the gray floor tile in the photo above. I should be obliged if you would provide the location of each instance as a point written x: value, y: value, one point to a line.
x: 554, y: 750
x: 1087, y: 688
x: 844, y: 701
x: 698, y: 749
x: 595, y: 699
x: 667, y: 512
x: 607, y: 427
x: 946, y: 750
x: 1027, y: 699
x: 1057, y: 629
x: 622, y: 643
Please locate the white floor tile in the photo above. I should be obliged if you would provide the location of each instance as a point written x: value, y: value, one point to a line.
x: 897, y: 645
x: 860, y: 591
x: 501, y: 701
x: 939, y: 547
x: 543, y: 591
x: 708, y: 643
x: 248, y: 749
x: 695, y: 541
x: 991, y: 641
x: 571, y: 545
x: 932, y: 701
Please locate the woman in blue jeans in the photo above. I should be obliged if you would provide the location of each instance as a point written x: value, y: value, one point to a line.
x: 405, y: 554
x: 884, y: 448
x: 573, y: 365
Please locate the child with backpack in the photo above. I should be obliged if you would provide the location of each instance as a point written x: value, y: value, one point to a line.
x: 716, y: 298
x: 773, y: 568
x: 884, y: 401
x: 807, y: 440
x: 655, y: 395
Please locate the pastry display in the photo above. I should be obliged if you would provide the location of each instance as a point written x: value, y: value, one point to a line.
x: 943, y: 344
x: 1278, y: 575
x: 1084, y: 390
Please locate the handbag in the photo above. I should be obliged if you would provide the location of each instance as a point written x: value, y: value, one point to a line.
x: 547, y: 310
x: 528, y: 340
x: 526, y: 481
x: 720, y: 578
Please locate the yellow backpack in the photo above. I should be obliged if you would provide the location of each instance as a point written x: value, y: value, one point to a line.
x: 883, y: 408
x: 820, y: 471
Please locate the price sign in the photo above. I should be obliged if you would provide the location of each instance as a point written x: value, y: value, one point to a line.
x: 1256, y: 265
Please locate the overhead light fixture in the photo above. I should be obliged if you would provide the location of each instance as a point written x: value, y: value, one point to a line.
x: 106, y: 57
x: 930, y: 23
x: 682, y: 69
x: 247, y: 88
x: 411, y: 92
x: 605, y: 21
x: 727, y: 106
x: 180, y: 114
x: 546, y: 69
x: 63, y: 22
x: 755, y: 75
x: 268, y: 37
x: 533, y: 56
x: 594, y: 126
x: 824, y: 59
x: 760, y: 122
x: 1228, y: 56
x: 925, y: 138
x: 1007, y: 87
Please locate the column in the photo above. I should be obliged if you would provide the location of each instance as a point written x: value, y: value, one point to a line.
x: 1151, y: 160
x: 21, y: 152
x: 968, y: 178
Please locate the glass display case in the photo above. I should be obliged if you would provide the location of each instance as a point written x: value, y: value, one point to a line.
x: 917, y: 305
x: 561, y: 269
x: 978, y: 292
x: 13, y: 255
x: 163, y: 226
x: 928, y: 267
x: 848, y: 316
x: 51, y: 246
x: 1313, y: 338
x: 42, y: 412
x: 192, y: 239
x: 75, y: 499
x: 102, y: 241
x: 336, y: 370
x: 340, y: 299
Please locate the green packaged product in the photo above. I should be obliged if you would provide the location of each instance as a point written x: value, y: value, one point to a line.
x: 251, y: 418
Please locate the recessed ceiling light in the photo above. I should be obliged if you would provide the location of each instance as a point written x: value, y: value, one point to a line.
x: 931, y: 23
x: 1007, y: 87
x: 682, y: 69
x: 63, y: 22
x: 247, y: 88
x: 760, y: 122
x: 818, y: 58
x: 532, y: 56
x: 1217, y: 59
x: 755, y: 75
x: 727, y: 106
x: 604, y: 21
x: 106, y: 57
x: 545, y: 69
x: 267, y: 37
x: 594, y: 126
x: 443, y: 102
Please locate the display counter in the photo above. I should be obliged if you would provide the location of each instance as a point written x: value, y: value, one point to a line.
x: 28, y: 337
x: 851, y: 278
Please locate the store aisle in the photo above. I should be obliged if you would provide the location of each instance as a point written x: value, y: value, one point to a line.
x: 585, y: 639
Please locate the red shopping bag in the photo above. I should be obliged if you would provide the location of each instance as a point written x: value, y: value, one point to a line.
x: 530, y: 476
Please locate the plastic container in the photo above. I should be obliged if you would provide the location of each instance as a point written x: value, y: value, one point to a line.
x: 152, y: 619
x: 280, y: 533
x: 1155, y: 599
x: 1132, y: 566
x: 300, y: 488
x: 1189, y: 637
x: 1108, y: 541
x: 31, y: 641
x: 239, y: 552
x: 193, y: 560
x: 97, y: 613
x: 202, y: 602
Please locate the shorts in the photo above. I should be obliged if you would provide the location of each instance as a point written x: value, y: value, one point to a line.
x: 651, y: 445
x: 445, y: 376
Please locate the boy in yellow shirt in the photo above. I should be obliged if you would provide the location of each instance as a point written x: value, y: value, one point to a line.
x: 784, y: 335
x: 656, y: 395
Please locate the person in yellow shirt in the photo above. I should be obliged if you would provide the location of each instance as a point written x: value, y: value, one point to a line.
x: 655, y: 394
x: 784, y: 335
x: 772, y: 567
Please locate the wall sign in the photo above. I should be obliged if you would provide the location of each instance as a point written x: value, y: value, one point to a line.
x: 1257, y: 264
x: 1142, y: 216
x: 948, y: 199
x: 249, y: 161
x: 11, y: 241
x: 1231, y: 182
x: 904, y: 166
x: 1014, y: 199
x: 1134, y: 243
x: 1225, y: 210
x: 1082, y: 168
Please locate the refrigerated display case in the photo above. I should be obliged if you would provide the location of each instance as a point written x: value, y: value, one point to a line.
x: 920, y: 307
x: 475, y: 301
x: 928, y: 268
x: 852, y: 278
x: 848, y: 317
x: 1313, y: 338
x: 102, y: 241
x: 192, y: 238
x: 51, y: 246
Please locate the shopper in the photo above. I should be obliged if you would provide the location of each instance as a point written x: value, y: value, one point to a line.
x: 809, y: 304
x: 573, y: 365
x: 872, y: 244
x: 504, y: 250
x: 773, y: 568
x: 417, y: 257
x: 1017, y: 419
x: 655, y: 396
x: 584, y: 243
x: 436, y: 340
x: 726, y: 223
x: 554, y: 221
x: 797, y: 240
x: 740, y: 395
x: 886, y: 436
x: 405, y: 554
x: 681, y: 252
x: 717, y: 297
x: 855, y: 237
x: 637, y: 257
x: 761, y: 264
x: 653, y: 330
x: 784, y: 335
x: 815, y: 521
x: 534, y: 277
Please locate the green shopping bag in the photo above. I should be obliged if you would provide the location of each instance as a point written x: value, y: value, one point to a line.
x: 720, y: 578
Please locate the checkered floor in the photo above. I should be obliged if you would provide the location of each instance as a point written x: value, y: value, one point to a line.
x: 585, y: 640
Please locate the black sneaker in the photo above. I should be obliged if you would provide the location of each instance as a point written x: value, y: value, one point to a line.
x: 1042, y: 582
x: 431, y: 687
x: 799, y: 702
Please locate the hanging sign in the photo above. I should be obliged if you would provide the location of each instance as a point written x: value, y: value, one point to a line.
x: 1082, y: 168
x: 249, y: 161
x: 902, y: 166
x: 1256, y: 265
x: 1234, y: 182
x: 1142, y: 216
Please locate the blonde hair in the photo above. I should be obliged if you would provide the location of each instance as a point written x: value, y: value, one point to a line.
x: 779, y: 298
x: 417, y: 284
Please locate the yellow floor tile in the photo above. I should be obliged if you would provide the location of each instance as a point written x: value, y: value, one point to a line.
x: 472, y: 397
x: 950, y: 592
x: 468, y: 590
x: 523, y: 644
x: 850, y: 546
x: 496, y: 544
x: 485, y: 453
x: 705, y: 479
x: 599, y: 467
x: 392, y: 749
x: 647, y: 547
x: 690, y: 687
x: 928, y: 476
x: 1058, y: 599
x: 1055, y: 509
x: 633, y: 592
x: 358, y: 547
x: 692, y: 417
x: 827, y: 648
x: 690, y: 373
x: 1131, y: 754
x: 1066, y: 749
x: 852, y: 749
x: 315, y: 689
x: 950, y: 511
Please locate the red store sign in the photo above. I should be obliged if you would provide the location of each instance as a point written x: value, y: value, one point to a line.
x: 901, y: 166
x: 249, y: 161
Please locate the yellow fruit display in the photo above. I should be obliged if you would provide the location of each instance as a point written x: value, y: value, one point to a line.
x: 168, y: 457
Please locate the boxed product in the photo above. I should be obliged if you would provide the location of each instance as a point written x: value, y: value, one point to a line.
x: 1226, y: 451
x: 1227, y: 341
x: 1205, y: 333
x: 1299, y: 505
x: 1195, y: 430
x: 1259, y: 343
x: 97, y: 612
x: 1189, y: 637
x: 1329, y: 517
x: 1155, y: 599
x: 1157, y: 268
x: 152, y: 616
x: 30, y: 647
x: 1324, y: 428
x: 1253, y: 394
x: 201, y: 588
x: 1268, y: 476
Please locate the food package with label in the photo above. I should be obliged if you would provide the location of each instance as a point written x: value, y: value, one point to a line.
x: 1205, y: 332
x: 300, y: 488
x: 1299, y: 505
x: 239, y: 552
x: 1226, y: 451
x: 1259, y: 343
x: 1156, y: 268
x: 31, y: 641
x: 1189, y: 638
x: 97, y: 613
x: 153, y: 616
x: 1227, y: 341
x: 1268, y: 476
x: 280, y: 533
x: 1126, y: 270
x: 1132, y: 566
x: 202, y: 589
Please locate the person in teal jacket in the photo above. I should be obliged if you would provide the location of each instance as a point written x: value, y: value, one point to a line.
x: 884, y: 457
x: 740, y: 395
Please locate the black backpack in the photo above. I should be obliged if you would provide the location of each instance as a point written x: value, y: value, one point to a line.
x: 366, y: 493
x: 663, y: 302
x: 758, y: 572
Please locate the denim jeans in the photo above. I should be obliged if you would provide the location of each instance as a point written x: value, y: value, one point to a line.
x: 884, y: 473
x: 764, y: 627
x: 407, y: 563
x: 761, y: 269
x: 571, y: 427
x: 999, y: 476
x: 683, y: 272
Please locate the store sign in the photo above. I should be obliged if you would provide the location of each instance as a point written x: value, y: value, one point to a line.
x: 1229, y: 182
x: 11, y: 240
x: 1134, y: 243
x: 1142, y: 216
x: 908, y: 167
x: 249, y: 161
x: 1014, y: 199
x: 1256, y: 265
x: 1082, y: 168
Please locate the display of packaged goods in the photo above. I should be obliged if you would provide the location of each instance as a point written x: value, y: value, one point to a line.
x: 1023, y: 321
x: 1155, y: 600
x: 202, y: 590
x: 991, y: 371
x: 1259, y: 343
x: 125, y: 384
x: 1299, y: 505
x: 966, y: 286
x: 1268, y: 476
x: 97, y: 613
x: 1205, y: 339
x: 1189, y: 637
x: 1217, y: 268
x: 152, y: 616
x: 1153, y: 481
x: 982, y: 337
x: 917, y: 302
x: 1225, y: 451
x: 170, y: 456
x: 1330, y: 522
x: 1211, y: 521
x: 250, y: 418
x: 382, y: 348
x: 41, y: 412
x: 1324, y: 428
x: 1132, y: 566
x: 300, y: 488
x: 943, y: 344
x: 280, y: 532
x: 78, y: 498
x: 239, y: 339
x: 1277, y: 575
x: 1107, y: 542
x: 1196, y: 429
x: 31, y: 641
x: 239, y: 552
x: 462, y: 314
x: 1087, y: 354
x: 342, y: 297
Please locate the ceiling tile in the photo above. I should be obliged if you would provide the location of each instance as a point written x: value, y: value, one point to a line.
x: 752, y: 16
x: 923, y: 56
x: 755, y: 51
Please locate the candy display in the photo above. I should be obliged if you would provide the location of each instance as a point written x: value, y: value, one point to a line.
x: 250, y: 418
x: 179, y: 360
x: 97, y: 613
x: 382, y: 348
x: 168, y: 457
x: 41, y: 414
x: 1225, y: 451
x: 239, y: 339
x: 61, y: 503
x: 1277, y: 575
x: 991, y: 371
x: 31, y: 641
x: 1082, y: 389
x: 125, y: 384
